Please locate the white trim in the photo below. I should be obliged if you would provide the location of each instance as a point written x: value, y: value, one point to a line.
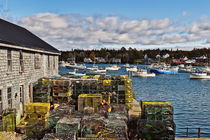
x: 9, y: 85
x: 1, y: 87
x: 28, y: 49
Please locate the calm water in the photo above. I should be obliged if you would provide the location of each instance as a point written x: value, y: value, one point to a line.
x: 190, y: 98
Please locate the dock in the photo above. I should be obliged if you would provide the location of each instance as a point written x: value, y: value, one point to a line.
x: 135, y: 110
x: 192, y: 138
x: 92, y: 107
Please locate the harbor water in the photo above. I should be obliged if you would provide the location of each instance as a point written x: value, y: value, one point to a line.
x: 190, y: 98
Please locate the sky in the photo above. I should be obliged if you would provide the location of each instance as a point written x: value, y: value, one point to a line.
x: 95, y: 24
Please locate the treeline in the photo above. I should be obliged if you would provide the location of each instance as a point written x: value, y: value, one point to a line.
x: 131, y: 55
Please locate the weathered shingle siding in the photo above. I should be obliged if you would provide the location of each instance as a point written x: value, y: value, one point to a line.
x: 14, y: 78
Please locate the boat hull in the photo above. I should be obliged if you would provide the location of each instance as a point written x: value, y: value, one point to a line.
x: 96, y: 72
x: 76, y: 67
x: 77, y: 74
x: 185, y: 71
x: 156, y: 71
x: 144, y: 75
x: 199, y: 77
x: 131, y: 69
x: 112, y: 69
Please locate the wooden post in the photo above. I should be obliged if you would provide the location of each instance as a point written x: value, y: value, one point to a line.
x: 129, y: 74
x: 187, y: 131
x: 30, y: 91
x: 199, y: 132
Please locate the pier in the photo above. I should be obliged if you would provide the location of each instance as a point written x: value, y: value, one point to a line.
x: 192, y: 138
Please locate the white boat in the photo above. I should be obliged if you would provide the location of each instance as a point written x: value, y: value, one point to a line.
x: 200, y: 75
x: 174, y: 69
x: 207, y: 69
x: 186, y: 69
x: 158, y: 65
x: 113, y: 67
x: 143, y: 73
x: 74, y: 73
x: 162, y: 68
x: 164, y: 71
x: 126, y: 65
x: 95, y: 71
x: 132, y: 69
x: 63, y: 64
x: 76, y: 66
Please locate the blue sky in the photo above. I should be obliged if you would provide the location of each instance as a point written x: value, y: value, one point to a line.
x: 132, y: 22
x: 129, y: 8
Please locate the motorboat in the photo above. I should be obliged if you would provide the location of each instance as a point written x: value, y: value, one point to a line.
x: 162, y: 68
x: 132, y: 69
x: 113, y: 67
x: 186, y: 69
x: 200, y: 75
x: 76, y: 66
x: 143, y: 73
x: 63, y: 64
x: 207, y: 69
x: 74, y: 73
x: 126, y: 65
x: 95, y: 71
x: 158, y: 65
x: 164, y: 71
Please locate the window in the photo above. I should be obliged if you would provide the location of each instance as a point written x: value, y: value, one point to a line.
x: 54, y: 60
x: 21, y: 62
x: 21, y: 94
x: 48, y: 62
x: 1, y: 104
x: 37, y: 61
x: 9, y: 97
x: 9, y: 60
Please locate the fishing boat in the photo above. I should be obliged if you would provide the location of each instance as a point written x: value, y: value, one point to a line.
x: 74, y: 73
x: 132, y: 69
x: 186, y: 69
x: 143, y: 73
x: 157, y: 65
x: 126, y: 65
x: 207, y: 69
x: 162, y: 68
x: 76, y: 66
x: 200, y: 75
x: 63, y: 64
x: 95, y: 71
x: 163, y: 71
x: 113, y: 67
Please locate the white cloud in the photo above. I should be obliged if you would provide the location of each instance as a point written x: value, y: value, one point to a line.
x: 185, y: 13
x: 75, y: 31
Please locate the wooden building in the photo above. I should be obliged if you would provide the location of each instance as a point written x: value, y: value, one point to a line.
x: 24, y: 58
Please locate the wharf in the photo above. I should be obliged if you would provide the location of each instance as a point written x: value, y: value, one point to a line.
x: 135, y: 111
x: 192, y: 138
x: 93, y: 107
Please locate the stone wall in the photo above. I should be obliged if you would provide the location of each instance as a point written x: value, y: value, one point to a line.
x: 15, y: 78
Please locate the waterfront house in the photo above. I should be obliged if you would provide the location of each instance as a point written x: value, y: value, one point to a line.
x: 24, y: 58
x: 71, y: 60
x: 116, y: 60
x: 184, y: 58
x: 87, y: 60
x: 100, y: 60
x: 202, y: 60
x: 190, y: 61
